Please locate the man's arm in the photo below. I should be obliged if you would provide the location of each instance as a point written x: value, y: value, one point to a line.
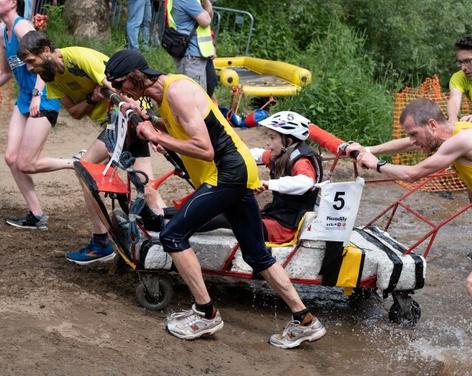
x: 454, y: 105
x: 448, y: 152
x: 85, y: 107
x: 400, y: 145
x: 183, y: 104
x: 204, y: 18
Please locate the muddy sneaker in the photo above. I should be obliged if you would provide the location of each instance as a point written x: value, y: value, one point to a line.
x: 192, y: 324
x: 294, y: 334
x: 30, y: 221
x: 92, y: 252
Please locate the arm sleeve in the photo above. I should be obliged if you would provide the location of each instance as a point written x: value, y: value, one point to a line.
x: 193, y: 8
x: 293, y: 185
x: 257, y: 154
x: 53, y: 91
x: 261, y: 156
x: 92, y: 64
x: 303, y: 178
x: 457, y: 81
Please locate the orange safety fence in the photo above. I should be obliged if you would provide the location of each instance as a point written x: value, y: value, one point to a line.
x: 430, y: 89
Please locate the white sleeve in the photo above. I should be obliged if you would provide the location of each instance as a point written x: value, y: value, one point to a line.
x: 292, y: 185
x: 257, y: 154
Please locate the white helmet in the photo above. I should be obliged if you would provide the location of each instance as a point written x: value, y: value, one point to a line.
x: 288, y: 122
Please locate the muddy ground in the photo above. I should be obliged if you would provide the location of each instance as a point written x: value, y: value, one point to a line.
x: 57, y: 318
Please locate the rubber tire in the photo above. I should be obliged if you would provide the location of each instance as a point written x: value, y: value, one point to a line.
x: 166, y: 291
x: 396, y: 315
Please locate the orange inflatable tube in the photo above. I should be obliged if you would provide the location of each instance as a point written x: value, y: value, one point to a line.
x: 325, y: 139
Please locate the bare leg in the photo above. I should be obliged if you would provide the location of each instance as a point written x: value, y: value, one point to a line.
x: 277, y: 278
x: 24, y: 182
x: 96, y: 153
x: 190, y: 270
x: 152, y: 196
x: 29, y: 161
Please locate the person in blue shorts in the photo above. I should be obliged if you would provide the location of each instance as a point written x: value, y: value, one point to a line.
x: 32, y: 118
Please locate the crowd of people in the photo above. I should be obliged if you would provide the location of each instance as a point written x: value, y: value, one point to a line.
x: 221, y: 167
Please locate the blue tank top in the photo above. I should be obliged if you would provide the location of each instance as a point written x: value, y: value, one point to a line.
x: 26, y: 79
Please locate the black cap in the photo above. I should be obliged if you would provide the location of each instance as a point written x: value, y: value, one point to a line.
x: 126, y: 61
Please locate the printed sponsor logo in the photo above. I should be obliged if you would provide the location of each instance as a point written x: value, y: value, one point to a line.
x: 15, y: 62
x: 335, y: 223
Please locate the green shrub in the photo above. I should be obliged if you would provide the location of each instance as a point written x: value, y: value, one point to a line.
x: 415, y: 37
x: 343, y: 98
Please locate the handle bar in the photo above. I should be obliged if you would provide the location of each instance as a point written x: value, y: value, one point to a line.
x: 135, y: 119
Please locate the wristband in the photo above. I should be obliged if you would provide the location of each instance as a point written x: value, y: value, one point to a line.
x: 380, y: 163
x: 89, y: 100
x: 36, y: 93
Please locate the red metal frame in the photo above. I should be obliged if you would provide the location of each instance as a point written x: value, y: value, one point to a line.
x: 435, y: 227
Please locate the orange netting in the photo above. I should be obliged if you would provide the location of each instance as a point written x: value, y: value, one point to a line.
x: 430, y: 89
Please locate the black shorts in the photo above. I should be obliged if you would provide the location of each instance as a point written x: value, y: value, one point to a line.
x: 51, y: 115
x: 138, y: 148
x: 240, y: 208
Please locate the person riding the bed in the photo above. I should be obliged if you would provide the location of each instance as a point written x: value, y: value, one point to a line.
x: 294, y: 169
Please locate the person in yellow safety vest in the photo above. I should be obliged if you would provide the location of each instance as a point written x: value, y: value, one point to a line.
x: 193, y: 17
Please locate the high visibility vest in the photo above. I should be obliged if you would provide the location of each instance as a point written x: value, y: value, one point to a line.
x: 204, y: 39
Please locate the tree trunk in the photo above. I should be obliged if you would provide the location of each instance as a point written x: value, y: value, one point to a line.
x: 88, y: 18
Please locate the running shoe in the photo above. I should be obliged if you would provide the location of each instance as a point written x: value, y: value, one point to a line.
x: 470, y: 256
x: 30, y: 221
x: 91, y: 253
x: 295, y: 334
x: 192, y: 324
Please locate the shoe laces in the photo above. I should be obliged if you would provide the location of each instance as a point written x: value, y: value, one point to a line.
x: 180, y: 315
x: 31, y: 218
x: 290, y: 326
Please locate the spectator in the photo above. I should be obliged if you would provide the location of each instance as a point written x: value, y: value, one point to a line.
x: 461, y: 82
x: 139, y: 14
x: 193, y: 18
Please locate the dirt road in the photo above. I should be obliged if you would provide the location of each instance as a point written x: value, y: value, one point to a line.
x: 57, y: 318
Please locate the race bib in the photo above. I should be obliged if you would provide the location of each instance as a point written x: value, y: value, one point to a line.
x: 120, y: 127
x: 337, y: 212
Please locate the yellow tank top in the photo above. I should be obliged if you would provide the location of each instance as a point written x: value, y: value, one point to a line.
x: 464, y: 171
x: 233, y: 164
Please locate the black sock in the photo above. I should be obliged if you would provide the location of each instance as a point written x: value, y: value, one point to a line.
x: 208, y: 309
x: 101, y: 239
x: 300, y: 315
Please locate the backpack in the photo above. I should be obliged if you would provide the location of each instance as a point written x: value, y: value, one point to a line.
x: 174, y: 42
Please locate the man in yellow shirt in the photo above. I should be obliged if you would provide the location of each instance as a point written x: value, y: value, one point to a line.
x: 427, y: 128
x: 225, y: 175
x: 75, y: 75
x: 461, y: 82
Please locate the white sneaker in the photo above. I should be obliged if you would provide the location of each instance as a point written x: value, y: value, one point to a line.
x: 295, y: 334
x: 192, y: 324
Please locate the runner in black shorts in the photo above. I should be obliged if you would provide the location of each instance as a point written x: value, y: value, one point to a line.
x: 78, y: 86
x: 30, y: 123
x: 222, y: 168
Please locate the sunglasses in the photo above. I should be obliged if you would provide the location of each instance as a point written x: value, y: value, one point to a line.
x: 118, y: 84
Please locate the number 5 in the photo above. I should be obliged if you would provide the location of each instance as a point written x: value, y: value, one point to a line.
x: 338, y: 199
